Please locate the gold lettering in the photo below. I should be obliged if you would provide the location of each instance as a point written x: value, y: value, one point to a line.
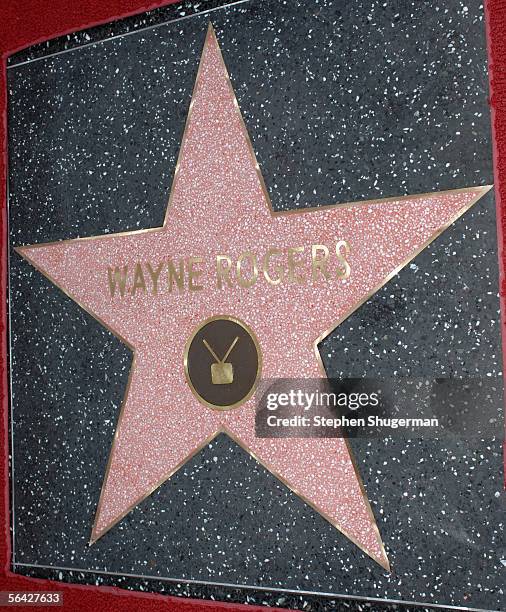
x: 117, y: 278
x: 172, y: 275
x: 343, y: 273
x: 194, y: 273
x: 278, y: 269
x: 139, y: 282
x: 293, y: 264
x: 223, y: 272
x: 247, y: 282
x: 155, y: 275
x: 319, y: 264
x: 277, y: 266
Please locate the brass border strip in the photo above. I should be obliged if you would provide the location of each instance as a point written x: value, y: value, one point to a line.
x: 22, y: 250
x: 480, y: 192
x: 268, y: 589
x: 141, y: 498
x: 384, y: 564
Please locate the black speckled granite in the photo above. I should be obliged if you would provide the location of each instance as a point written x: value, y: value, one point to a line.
x: 343, y: 101
x: 180, y: 11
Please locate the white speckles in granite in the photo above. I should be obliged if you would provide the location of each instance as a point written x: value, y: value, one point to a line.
x: 315, y: 145
x: 217, y: 205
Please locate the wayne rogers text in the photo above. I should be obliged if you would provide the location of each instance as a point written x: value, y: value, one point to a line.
x: 276, y: 266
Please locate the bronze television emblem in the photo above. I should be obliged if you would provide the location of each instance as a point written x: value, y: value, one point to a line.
x: 224, y: 382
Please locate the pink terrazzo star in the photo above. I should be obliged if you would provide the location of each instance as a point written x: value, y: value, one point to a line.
x: 218, y: 204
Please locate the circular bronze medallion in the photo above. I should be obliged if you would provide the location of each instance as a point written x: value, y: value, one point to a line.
x: 222, y: 362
